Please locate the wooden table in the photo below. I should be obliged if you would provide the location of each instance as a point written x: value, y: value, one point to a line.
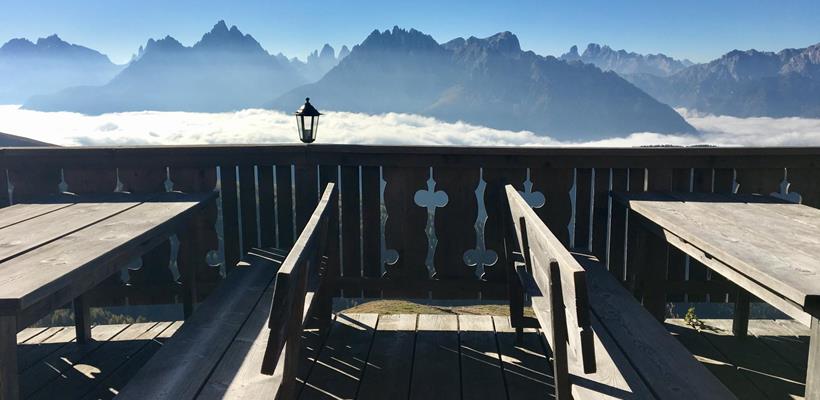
x: 768, y: 247
x: 53, y: 252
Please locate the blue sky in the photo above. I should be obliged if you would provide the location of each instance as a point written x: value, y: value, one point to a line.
x: 699, y: 30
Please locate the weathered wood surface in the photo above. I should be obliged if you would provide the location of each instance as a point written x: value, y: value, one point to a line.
x: 391, y: 359
x: 663, y: 363
x: 756, y: 366
x: 481, y: 373
x: 87, y: 254
x: 435, y: 358
x: 778, y: 256
x: 301, y: 288
x: 181, y: 368
x: 544, y: 246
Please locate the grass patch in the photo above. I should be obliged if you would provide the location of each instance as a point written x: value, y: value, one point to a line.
x: 387, y: 307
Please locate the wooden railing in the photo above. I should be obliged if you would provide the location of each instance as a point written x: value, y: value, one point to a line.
x: 301, y: 290
x: 411, y: 221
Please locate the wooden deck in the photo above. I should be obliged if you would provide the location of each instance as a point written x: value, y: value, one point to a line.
x: 369, y: 356
x: 769, y: 364
x: 53, y: 366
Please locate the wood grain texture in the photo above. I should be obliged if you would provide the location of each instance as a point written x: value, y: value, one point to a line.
x: 230, y: 215
x: 405, y: 227
x: 545, y: 248
x: 34, y: 233
x: 391, y: 358
x: 351, y: 221
x: 663, y: 363
x: 436, y: 358
x: 83, y: 255
x: 284, y: 208
x: 180, y: 368
x: 267, y: 225
x: 371, y: 226
x: 247, y: 207
x: 736, y: 240
x: 481, y: 373
x: 343, y: 359
x: 526, y: 368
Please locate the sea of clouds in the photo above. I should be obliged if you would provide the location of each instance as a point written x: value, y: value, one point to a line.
x: 265, y: 126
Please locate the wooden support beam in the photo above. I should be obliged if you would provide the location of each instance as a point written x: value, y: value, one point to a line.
x: 740, y: 324
x: 9, y: 385
x: 813, y: 369
x: 82, y: 319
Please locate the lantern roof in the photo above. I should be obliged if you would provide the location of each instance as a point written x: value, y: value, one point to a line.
x: 307, y: 109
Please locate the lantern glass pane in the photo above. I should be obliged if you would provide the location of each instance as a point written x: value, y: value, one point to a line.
x: 315, y: 126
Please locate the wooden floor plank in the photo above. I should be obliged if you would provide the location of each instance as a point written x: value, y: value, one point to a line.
x: 110, y: 386
x: 341, y: 362
x: 782, y: 341
x: 481, y: 374
x: 99, y: 364
x: 526, y: 367
x: 29, y: 333
x: 757, y: 361
x: 714, y: 360
x: 390, y: 363
x: 48, y: 343
x: 313, y: 339
x: 51, y: 367
x: 436, y: 359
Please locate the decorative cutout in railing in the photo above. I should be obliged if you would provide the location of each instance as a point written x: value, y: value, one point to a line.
x: 480, y: 256
x: 216, y: 258
x: 573, y: 192
x: 62, y: 187
x: 431, y: 199
x: 10, y: 188
x: 388, y: 256
x: 534, y: 199
x: 783, y: 193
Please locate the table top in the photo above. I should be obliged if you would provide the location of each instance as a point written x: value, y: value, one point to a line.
x: 774, y: 243
x: 44, y: 246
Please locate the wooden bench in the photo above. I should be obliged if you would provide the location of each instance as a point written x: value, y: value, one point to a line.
x: 243, y: 341
x: 604, y: 343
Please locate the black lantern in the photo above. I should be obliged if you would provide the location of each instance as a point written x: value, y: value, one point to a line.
x: 307, y: 118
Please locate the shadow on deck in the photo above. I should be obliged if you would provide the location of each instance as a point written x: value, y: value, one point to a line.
x: 369, y: 356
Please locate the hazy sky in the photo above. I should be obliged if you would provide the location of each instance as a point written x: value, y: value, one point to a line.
x: 697, y: 29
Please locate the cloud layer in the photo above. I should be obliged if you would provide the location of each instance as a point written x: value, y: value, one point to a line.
x: 265, y: 126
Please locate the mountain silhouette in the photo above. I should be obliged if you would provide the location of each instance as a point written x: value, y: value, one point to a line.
x: 490, y: 82
x: 225, y: 70
x: 745, y: 84
x: 626, y: 63
x: 47, y: 66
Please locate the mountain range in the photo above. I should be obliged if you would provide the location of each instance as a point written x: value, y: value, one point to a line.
x: 744, y: 84
x: 626, y: 63
x: 225, y: 70
x: 486, y: 81
x: 48, y: 65
x: 490, y: 82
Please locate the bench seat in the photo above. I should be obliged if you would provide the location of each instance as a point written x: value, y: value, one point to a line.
x: 663, y: 364
x: 217, y: 353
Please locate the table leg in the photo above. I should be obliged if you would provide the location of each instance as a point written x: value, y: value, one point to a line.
x: 655, y: 275
x: 191, y: 257
x: 740, y: 325
x: 9, y: 385
x: 82, y: 319
x: 813, y: 370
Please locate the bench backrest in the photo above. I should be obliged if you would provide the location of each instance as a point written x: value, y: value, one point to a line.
x: 549, y: 273
x: 297, y: 287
